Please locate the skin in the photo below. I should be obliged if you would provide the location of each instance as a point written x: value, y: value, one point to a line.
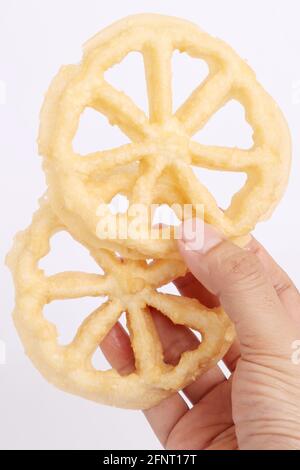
x: 258, y: 406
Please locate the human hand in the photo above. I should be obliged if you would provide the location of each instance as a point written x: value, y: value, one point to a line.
x: 258, y: 407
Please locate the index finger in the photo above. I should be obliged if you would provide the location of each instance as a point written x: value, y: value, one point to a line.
x: 189, y: 286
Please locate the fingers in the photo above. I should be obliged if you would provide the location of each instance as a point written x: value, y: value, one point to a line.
x: 287, y: 292
x: 177, y: 339
x: 162, y: 418
x: 189, y: 286
x: 238, y: 279
x: 232, y: 356
x: 208, y: 424
x: 204, y: 385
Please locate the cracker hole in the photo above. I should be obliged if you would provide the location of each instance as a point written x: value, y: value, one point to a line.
x: 174, y: 339
x: 68, y: 315
x: 123, y: 322
x: 228, y: 128
x: 129, y: 76
x: 170, y: 330
x: 66, y: 254
x: 188, y: 74
x: 222, y: 185
x: 99, y: 361
x: 168, y: 289
x: 112, y: 347
x: 224, y: 369
x: 197, y: 334
x: 185, y: 399
x: 95, y: 133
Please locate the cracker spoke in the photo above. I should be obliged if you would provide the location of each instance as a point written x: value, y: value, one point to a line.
x: 142, y: 192
x: 204, y: 102
x: 119, y: 181
x: 182, y: 310
x: 198, y: 195
x: 94, y: 329
x: 122, y: 111
x: 224, y: 158
x: 145, y: 341
x: 157, y: 60
x: 107, y: 260
x: 161, y: 272
x: 72, y: 285
x: 98, y: 162
x: 195, y: 192
x: 217, y: 331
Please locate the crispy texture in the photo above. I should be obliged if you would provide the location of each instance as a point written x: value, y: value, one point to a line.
x: 156, y: 166
x: 130, y: 286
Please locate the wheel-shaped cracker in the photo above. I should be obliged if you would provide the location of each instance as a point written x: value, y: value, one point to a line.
x: 131, y: 287
x: 155, y: 167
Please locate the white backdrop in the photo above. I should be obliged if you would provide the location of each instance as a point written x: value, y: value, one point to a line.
x: 36, y: 37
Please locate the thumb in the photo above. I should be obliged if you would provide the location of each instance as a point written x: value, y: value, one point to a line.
x: 238, y: 279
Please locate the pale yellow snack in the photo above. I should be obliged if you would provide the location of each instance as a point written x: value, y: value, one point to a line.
x: 156, y: 166
x: 131, y: 287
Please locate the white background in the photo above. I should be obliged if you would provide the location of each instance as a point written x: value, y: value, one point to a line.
x: 36, y: 37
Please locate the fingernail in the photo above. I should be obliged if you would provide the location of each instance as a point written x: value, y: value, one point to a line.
x: 199, y: 236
